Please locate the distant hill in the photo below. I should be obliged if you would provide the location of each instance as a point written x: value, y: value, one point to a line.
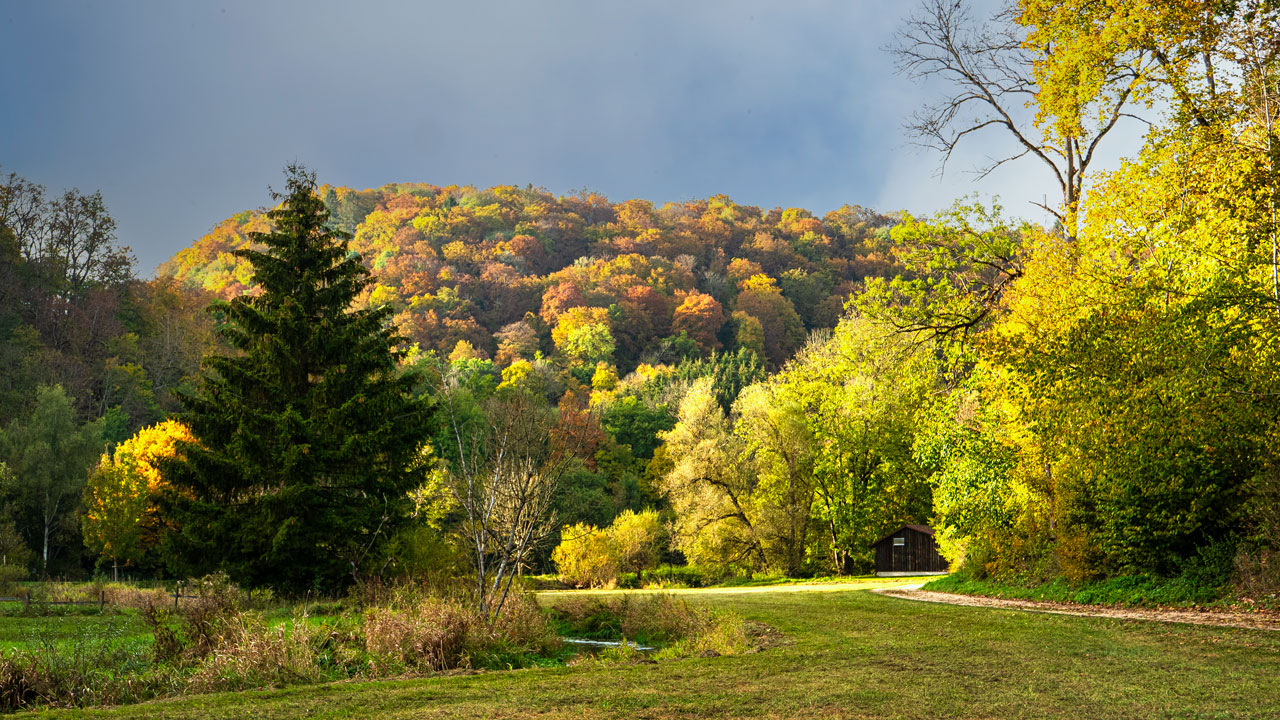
x: 510, y: 272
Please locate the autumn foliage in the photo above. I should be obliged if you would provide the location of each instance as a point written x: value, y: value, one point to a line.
x: 592, y: 280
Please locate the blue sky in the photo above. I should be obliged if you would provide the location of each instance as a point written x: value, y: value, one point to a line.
x: 183, y: 113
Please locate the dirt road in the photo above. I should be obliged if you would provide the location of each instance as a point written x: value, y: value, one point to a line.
x: 1256, y: 621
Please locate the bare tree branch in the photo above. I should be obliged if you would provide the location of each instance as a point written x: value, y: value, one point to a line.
x: 989, y: 71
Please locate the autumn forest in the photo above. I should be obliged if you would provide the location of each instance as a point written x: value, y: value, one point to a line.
x: 349, y: 385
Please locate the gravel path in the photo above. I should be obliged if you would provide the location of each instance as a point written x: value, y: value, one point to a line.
x: 1256, y: 621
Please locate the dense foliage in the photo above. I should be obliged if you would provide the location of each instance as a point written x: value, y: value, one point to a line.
x: 771, y: 389
x: 514, y: 272
x: 89, y: 355
x: 1112, y: 406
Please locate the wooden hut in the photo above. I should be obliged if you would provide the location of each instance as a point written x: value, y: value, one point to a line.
x: 909, y: 550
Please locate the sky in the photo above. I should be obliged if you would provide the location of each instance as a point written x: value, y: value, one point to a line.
x: 185, y: 113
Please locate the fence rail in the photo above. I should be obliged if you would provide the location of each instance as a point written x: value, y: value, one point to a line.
x: 101, y: 601
x: 26, y: 600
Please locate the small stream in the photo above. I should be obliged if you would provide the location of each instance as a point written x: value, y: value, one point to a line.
x: 595, y: 646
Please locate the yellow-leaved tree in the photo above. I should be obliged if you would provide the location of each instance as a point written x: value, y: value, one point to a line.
x: 120, y: 520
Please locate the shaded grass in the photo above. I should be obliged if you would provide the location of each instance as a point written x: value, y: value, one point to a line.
x: 1130, y: 591
x: 21, y: 631
x: 849, y: 654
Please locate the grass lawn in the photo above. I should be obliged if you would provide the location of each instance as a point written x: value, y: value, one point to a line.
x: 19, y: 631
x: 849, y: 653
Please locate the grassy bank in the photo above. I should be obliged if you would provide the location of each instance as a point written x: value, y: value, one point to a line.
x: 1131, y: 591
x: 846, y: 653
x: 73, y: 656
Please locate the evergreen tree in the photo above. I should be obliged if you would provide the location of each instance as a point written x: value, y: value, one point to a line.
x: 307, y: 439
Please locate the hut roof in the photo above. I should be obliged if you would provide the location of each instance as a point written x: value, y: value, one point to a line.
x: 918, y: 528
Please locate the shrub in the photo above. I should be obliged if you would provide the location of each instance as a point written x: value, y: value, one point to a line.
x: 423, y: 553
x: 592, y: 557
x: 1256, y: 575
x: 675, y: 576
x: 639, y: 540
x: 519, y: 634
x: 586, y: 557
x: 10, y: 575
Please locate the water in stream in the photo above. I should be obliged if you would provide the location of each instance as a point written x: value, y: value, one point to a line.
x: 594, y: 646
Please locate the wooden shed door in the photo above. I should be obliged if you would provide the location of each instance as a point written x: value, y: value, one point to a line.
x: 900, y: 553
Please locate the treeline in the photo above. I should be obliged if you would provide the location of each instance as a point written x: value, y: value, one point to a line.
x: 89, y: 354
x: 1086, y: 401
x: 703, y: 382
x: 1111, y: 404
x: 573, y: 301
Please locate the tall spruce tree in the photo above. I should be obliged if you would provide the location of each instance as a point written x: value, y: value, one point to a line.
x: 307, y: 438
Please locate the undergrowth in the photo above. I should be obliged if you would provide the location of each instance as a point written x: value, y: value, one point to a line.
x: 661, y: 620
x: 213, y: 643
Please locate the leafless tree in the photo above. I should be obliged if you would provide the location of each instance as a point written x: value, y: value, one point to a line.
x: 71, y: 239
x: 509, y: 464
x: 988, y: 70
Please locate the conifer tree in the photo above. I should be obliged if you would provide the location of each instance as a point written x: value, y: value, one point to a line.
x: 307, y: 438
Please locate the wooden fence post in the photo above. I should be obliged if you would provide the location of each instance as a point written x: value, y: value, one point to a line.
x: 102, y: 599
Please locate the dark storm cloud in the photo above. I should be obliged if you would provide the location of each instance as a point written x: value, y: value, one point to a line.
x: 184, y: 113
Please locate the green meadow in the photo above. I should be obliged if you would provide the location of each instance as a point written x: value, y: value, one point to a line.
x: 840, y: 651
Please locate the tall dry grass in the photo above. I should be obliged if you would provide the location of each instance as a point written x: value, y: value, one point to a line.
x: 416, y: 631
x: 660, y: 619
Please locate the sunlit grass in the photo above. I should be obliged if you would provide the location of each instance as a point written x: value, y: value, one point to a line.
x: 844, y: 653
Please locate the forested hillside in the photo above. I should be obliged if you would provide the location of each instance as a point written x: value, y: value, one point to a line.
x: 604, y: 387
x: 575, y: 301
x: 510, y: 272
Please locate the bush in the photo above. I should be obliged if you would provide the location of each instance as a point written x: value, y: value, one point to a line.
x: 1127, y: 590
x: 639, y: 540
x: 588, y: 556
x: 198, y: 626
x: 10, y: 575
x: 419, y: 632
x: 518, y: 636
x: 424, y: 632
x: 676, y: 576
x: 422, y: 553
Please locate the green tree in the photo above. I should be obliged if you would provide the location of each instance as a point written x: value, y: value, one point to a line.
x: 307, y: 440
x: 708, y: 486
x: 778, y: 446
x: 48, y: 455
x: 117, y: 498
x: 856, y: 393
